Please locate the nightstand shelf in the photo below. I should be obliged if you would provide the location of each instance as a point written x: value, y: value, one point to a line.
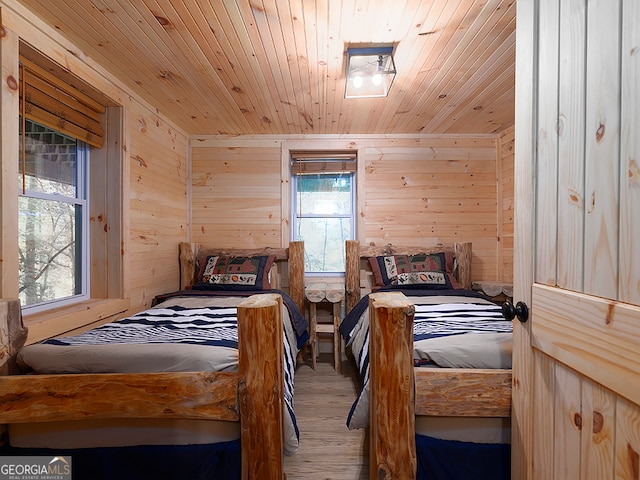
x: 496, y: 291
x: 331, y: 293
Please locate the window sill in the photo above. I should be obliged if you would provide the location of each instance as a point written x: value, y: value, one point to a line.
x: 43, y: 325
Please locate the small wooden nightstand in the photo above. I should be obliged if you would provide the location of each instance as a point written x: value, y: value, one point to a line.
x: 325, y: 292
x: 498, y: 291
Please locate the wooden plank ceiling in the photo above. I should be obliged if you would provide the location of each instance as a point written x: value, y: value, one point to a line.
x: 277, y: 66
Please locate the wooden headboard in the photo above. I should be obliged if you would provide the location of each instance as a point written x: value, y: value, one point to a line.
x: 293, y: 256
x: 359, y: 276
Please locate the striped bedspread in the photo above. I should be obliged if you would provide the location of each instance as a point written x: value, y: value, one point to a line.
x: 213, y: 326
x: 453, y: 328
x: 445, y: 319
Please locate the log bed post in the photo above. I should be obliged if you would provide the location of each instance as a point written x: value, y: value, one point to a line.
x: 13, y: 334
x: 463, y: 261
x: 261, y: 387
x: 391, y: 381
x: 188, y: 268
x: 352, y: 274
x: 296, y: 273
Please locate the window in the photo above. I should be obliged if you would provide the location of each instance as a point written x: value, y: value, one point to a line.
x: 52, y: 223
x: 58, y: 125
x: 323, y: 207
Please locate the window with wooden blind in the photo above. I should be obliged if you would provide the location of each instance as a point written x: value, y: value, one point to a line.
x: 58, y: 126
x: 323, y: 213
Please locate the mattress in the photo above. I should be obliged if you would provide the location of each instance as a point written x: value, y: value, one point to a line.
x: 182, y: 333
x: 452, y: 329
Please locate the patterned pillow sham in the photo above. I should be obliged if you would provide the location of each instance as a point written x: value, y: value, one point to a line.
x: 221, y: 272
x: 425, y: 270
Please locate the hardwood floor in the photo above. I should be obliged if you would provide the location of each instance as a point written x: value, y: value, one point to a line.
x: 328, y: 450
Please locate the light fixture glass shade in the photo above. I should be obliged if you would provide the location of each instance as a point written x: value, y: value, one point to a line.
x: 370, y: 72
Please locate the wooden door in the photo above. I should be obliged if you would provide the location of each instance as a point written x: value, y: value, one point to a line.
x: 576, y: 382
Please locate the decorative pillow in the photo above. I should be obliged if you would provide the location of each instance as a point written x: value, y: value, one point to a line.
x: 426, y: 270
x: 220, y: 272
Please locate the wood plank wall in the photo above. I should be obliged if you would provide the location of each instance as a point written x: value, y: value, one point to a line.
x: 416, y: 190
x: 505, y: 205
x: 157, y: 204
x: 434, y: 190
x: 236, y: 194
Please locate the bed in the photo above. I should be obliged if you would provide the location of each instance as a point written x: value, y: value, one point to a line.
x: 217, y: 404
x: 437, y: 401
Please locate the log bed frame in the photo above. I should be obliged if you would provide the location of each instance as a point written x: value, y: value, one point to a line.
x: 249, y: 395
x: 399, y: 391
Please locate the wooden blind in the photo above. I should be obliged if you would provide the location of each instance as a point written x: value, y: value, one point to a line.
x: 323, y: 162
x: 52, y: 102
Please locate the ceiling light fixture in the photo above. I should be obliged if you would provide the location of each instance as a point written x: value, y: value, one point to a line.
x: 370, y: 72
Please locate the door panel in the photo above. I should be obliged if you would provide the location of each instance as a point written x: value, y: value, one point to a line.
x: 568, y: 423
x: 522, y: 373
x: 543, y: 392
x: 627, y: 439
x: 576, y: 364
x: 602, y: 148
x: 598, y: 430
x: 547, y: 146
x: 571, y: 84
x: 629, y: 279
x: 590, y: 334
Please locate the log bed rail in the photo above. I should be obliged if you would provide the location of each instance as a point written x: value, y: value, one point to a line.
x: 249, y: 395
x: 399, y: 391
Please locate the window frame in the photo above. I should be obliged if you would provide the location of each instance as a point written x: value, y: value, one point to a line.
x: 82, y: 199
x: 296, y: 216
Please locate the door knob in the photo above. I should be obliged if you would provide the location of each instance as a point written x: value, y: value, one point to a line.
x: 520, y: 310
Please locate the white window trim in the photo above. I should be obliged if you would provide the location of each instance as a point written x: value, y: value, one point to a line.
x: 294, y: 218
x: 324, y: 143
x: 82, y: 199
